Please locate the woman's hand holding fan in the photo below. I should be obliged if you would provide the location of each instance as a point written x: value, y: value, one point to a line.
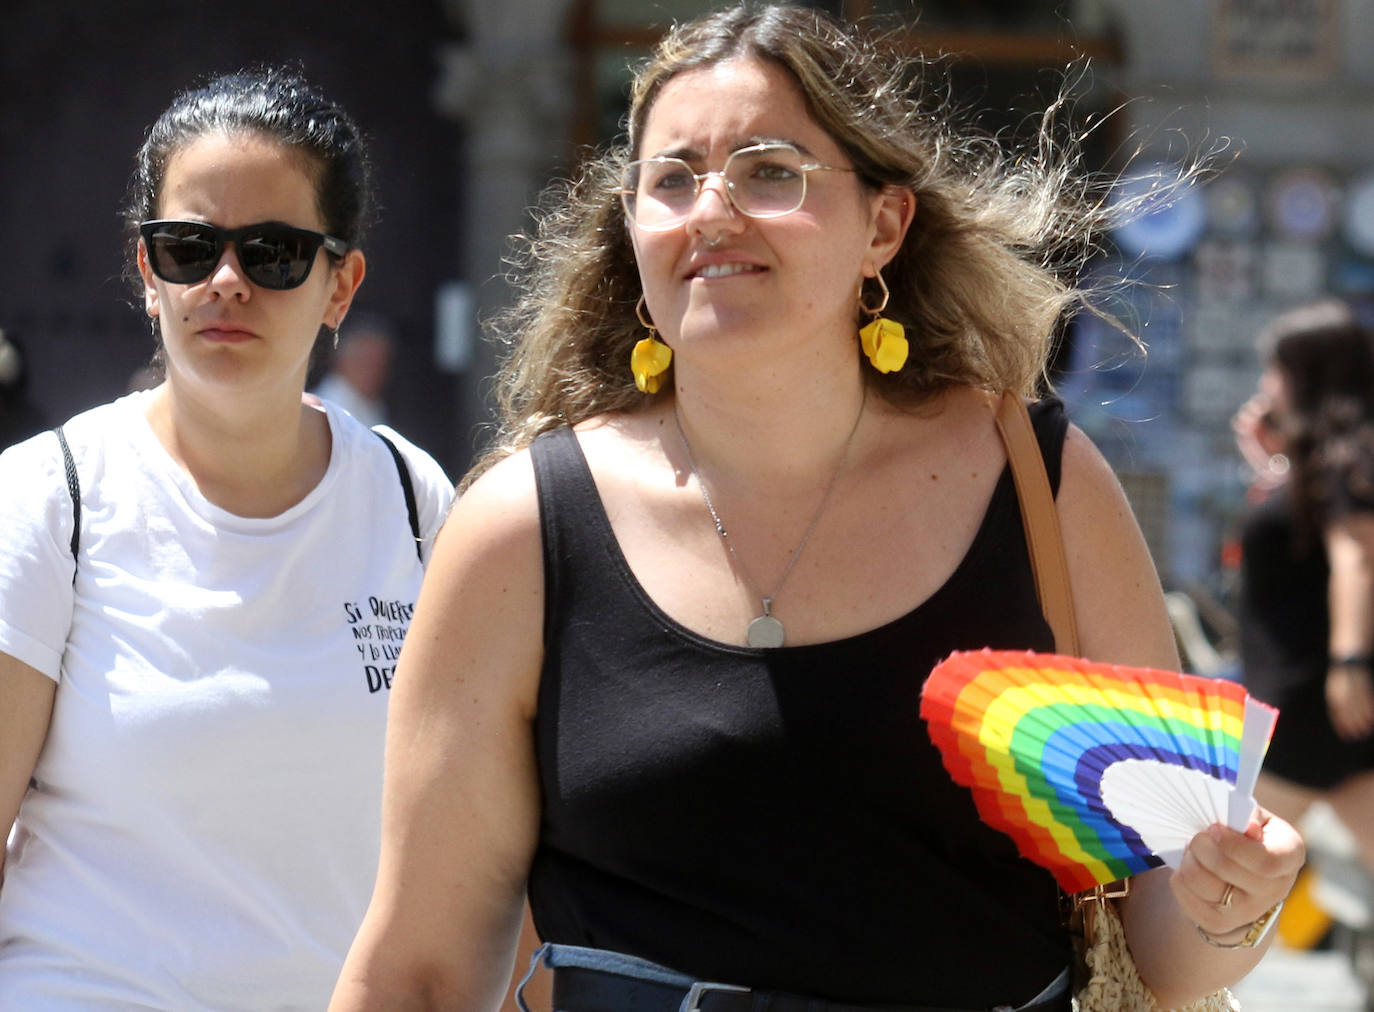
x: 1096, y: 771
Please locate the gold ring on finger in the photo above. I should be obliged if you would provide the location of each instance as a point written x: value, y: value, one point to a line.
x: 1228, y: 894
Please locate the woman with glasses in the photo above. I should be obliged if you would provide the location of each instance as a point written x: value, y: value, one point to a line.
x: 203, y: 590
x: 666, y: 669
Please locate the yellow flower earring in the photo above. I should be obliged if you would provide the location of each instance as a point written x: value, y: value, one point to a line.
x: 650, y: 358
x: 883, y: 340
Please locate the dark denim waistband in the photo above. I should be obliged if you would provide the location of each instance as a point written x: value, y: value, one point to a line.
x: 596, y: 980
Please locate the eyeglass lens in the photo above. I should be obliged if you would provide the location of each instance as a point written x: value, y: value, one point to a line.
x: 765, y: 181
x: 271, y: 255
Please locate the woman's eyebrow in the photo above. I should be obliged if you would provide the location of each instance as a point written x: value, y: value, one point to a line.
x: 687, y: 153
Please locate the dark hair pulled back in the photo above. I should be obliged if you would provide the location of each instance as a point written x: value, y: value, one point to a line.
x: 276, y: 103
x: 1326, y: 354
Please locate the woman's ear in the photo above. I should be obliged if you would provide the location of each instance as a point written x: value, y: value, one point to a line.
x: 894, y: 208
x: 150, y: 296
x: 346, y: 277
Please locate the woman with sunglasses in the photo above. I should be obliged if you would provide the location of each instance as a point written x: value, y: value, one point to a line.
x: 199, y: 620
x: 666, y: 668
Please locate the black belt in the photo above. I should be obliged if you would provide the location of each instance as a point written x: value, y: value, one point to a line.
x: 577, y: 989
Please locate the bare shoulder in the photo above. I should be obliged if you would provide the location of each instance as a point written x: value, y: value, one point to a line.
x: 478, y: 621
x: 1092, y: 503
x: 1084, y: 468
x: 500, y: 510
x: 486, y: 579
x: 1116, y: 590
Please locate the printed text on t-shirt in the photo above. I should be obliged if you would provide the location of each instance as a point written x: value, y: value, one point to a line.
x: 379, y: 628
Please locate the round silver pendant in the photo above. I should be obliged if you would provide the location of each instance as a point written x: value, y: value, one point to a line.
x: 765, y: 631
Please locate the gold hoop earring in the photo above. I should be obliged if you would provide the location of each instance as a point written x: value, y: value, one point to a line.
x: 883, y: 340
x: 651, y: 357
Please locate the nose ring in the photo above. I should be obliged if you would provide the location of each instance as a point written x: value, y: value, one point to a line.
x: 712, y: 243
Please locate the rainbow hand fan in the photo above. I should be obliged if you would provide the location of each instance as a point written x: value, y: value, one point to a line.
x: 1096, y: 771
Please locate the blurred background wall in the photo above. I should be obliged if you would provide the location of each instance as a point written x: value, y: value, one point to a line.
x: 474, y: 105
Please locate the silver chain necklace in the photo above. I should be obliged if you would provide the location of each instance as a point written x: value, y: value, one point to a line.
x: 766, y: 630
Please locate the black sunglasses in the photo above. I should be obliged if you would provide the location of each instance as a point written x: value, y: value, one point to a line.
x: 272, y: 255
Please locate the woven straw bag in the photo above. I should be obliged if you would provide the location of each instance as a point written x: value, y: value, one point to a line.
x: 1105, y: 977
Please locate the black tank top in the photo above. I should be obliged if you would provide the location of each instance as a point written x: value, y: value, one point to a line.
x: 778, y: 818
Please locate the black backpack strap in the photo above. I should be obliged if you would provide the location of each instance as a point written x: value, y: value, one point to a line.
x: 74, y: 488
x: 407, y: 488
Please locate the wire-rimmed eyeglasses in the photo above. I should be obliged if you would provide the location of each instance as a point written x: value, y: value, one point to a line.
x: 762, y: 181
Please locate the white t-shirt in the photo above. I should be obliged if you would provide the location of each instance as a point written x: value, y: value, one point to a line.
x: 203, y: 828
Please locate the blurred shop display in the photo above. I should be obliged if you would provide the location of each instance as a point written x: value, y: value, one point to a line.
x: 1199, y: 275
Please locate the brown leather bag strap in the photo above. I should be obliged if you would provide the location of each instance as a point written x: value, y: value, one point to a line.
x: 1040, y: 520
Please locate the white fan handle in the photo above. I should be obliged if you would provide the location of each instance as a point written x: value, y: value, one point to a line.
x: 1254, y: 742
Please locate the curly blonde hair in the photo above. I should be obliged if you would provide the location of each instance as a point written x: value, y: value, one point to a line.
x: 985, y: 276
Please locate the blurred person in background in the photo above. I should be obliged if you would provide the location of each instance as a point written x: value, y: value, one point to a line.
x: 360, y: 369
x: 1307, y: 562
